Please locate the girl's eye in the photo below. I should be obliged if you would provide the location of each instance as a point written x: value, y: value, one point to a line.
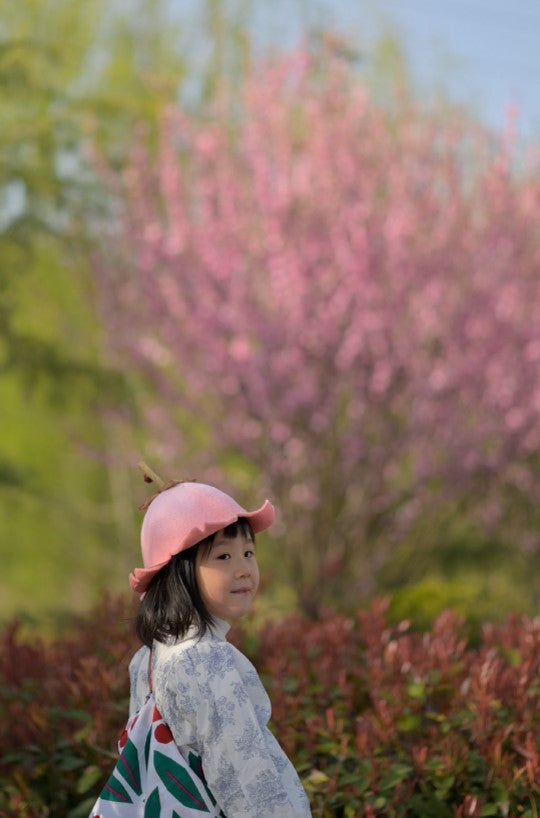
x: 224, y: 557
x: 249, y: 554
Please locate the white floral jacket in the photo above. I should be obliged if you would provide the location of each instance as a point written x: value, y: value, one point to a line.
x: 211, y: 697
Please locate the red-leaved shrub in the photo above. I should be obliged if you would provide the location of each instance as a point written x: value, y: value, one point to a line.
x: 379, y: 720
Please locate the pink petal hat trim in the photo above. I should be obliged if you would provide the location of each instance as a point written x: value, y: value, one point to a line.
x: 184, y: 515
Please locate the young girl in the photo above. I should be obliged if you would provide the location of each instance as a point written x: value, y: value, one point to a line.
x: 200, y: 574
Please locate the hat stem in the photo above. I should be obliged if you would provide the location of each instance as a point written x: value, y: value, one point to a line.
x: 150, y: 476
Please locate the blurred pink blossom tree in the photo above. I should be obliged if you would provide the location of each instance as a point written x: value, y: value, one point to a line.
x: 343, y: 295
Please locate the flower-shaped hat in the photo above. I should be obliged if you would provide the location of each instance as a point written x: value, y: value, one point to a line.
x: 182, y: 515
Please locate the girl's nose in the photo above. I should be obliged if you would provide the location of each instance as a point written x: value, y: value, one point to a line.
x: 243, y: 569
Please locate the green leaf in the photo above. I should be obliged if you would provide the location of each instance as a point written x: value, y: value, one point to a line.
x: 195, y: 764
x: 128, y: 766
x: 82, y: 809
x: 68, y: 763
x: 114, y: 790
x: 444, y: 785
x: 396, y: 774
x: 70, y: 713
x: 179, y: 782
x: 153, y: 805
x: 147, y: 747
x: 408, y: 723
x: 317, y: 778
x: 417, y: 690
x: 88, y: 779
x: 490, y: 809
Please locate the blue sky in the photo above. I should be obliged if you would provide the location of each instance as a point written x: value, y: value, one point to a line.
x: 483, y: 53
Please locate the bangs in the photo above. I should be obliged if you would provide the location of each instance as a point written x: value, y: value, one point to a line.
x: 240, y: 527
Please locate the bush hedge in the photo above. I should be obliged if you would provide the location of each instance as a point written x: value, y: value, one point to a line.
x: 379, y: 720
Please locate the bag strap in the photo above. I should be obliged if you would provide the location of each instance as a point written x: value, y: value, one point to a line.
x: 150, y: 671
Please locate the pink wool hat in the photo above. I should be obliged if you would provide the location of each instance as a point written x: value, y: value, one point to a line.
x: 183, y: 515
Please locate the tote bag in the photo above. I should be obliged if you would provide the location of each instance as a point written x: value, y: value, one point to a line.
x: 154, y: 777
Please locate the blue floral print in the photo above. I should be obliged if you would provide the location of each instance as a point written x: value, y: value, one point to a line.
x: 213, y: 701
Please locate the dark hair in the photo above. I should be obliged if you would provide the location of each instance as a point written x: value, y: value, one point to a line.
x: 172, y: 602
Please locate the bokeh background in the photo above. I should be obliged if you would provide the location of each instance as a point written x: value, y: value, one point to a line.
x: 291, y: 248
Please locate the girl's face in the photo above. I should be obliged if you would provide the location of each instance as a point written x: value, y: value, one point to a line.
x: 227, y: 576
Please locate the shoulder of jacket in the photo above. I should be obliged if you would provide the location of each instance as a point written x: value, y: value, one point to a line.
x: 191, y: 650
x: 138, y: 657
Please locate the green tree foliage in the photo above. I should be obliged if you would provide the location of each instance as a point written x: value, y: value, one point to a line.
x: 73, y: 74
x: 69, y: 71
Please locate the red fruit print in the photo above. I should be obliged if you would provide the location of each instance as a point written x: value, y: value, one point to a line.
x: 121, y: 741
x: 163, y: 734
x: 157, y: 715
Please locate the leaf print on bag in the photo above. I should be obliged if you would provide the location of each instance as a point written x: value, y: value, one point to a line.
x: 178, y: 782
x: 115, y: 791
x: 147, y: 748
x: 195, y: 763
x: 152, y: 778
x: 128, y: 766
x: 153, y: 805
